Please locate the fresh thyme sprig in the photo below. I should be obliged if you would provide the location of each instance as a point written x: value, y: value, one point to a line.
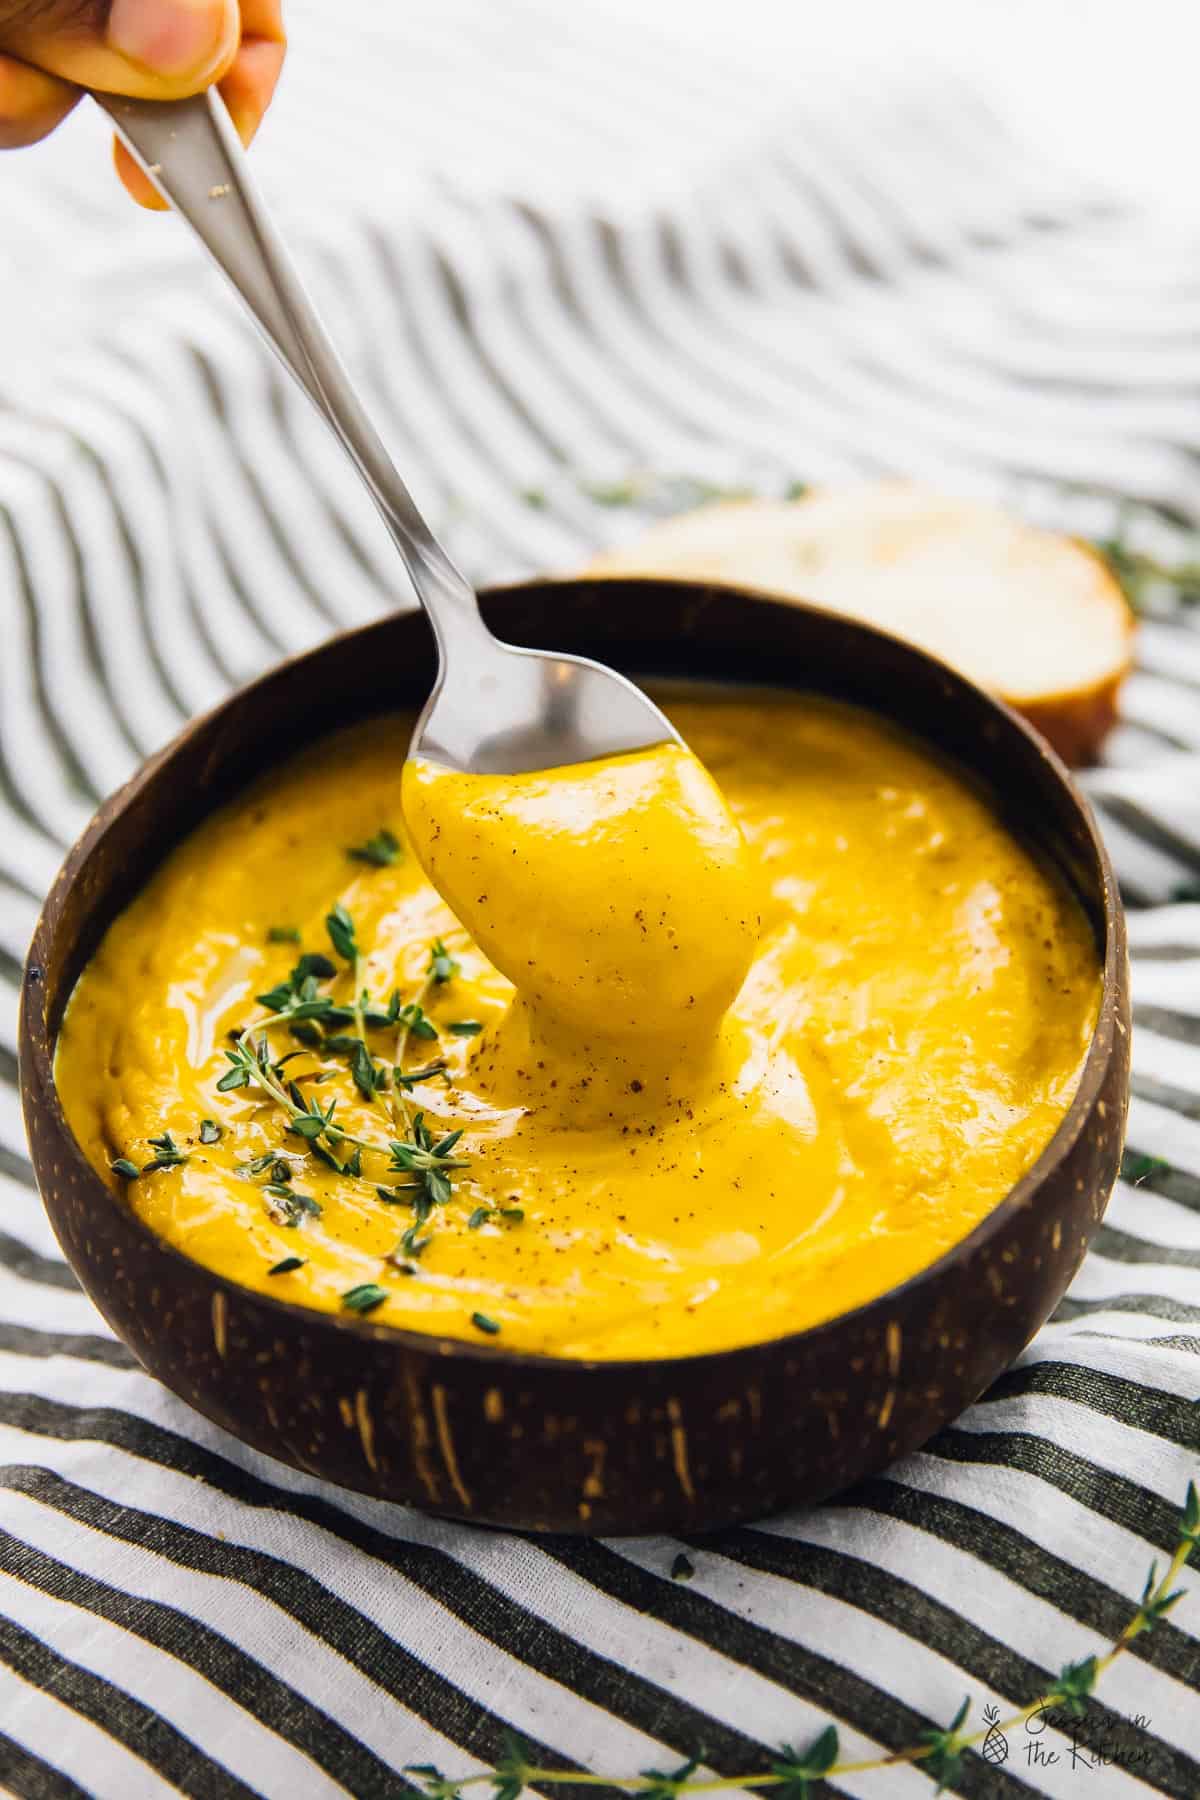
x: 792, y: 1774
x: 299, y: 1003
x: 664, y: 493
x: 432, y: 1166
x: 1136, y: 573
x: 430, y: 1163
x: 298, y: 1000
x: 343, y: 935
x: 414, y: 1022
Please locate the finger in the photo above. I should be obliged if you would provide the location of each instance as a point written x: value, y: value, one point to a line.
x: 32, y: 103
x: 155, y: 49
x: 140, y: 186
x: 264, y: 19
x: 246, y: 90
x: 250, y: 83
x: 248, y: 87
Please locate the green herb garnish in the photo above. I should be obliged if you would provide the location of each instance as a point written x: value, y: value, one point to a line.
x: 381, y: 851
x: 1136, y: 573
x: 381, y: 1015
x: 368, y: 1076
x: 168, y: 1154
x: 613, y: 493
x: 256, y: 1166
x: 365, y: 1297
x: 123, y: 1167
x: 286, y: 1267
x: 412, y: 1243
x: 512, y: 1215
x: 288, y: 1001
x: 210, y: 1131
x: 481, y: 1322
x: 415, y: 1076
x: 464, y: 1027
x: 340, y: 927
x: 431, y: 1163
x: 309, y: 1014
x: 313, y: 963
x: 1137, y: 1168
x: 287, y: 1207
x: 298, y: 999
x: 794, y: 1774
x: 314, y: 1121
x: 442, y: 966
x: 417, y: 1022
x: 282, y: 934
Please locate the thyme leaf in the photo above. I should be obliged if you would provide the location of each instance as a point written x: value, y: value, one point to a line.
x: 365, y: 1297
x: 417, y: 1022
x: 340, y: 926
x: 1137, y: 1168
x: 442, y: 966
x: 512, y: 1215
x: 286, y: 1207
x: 380, y: 850
x: 168, y: 1155
x: 415, y: 1076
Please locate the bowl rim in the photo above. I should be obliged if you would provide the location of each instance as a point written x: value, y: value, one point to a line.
x: 36, y: 1049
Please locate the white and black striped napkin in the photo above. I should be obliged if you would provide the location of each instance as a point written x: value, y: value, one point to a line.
x: 560, y: 258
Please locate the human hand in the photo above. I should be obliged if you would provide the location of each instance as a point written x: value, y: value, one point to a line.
x: 154, y: 49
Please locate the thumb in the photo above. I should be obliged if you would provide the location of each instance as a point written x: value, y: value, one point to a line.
x: 154, y: 49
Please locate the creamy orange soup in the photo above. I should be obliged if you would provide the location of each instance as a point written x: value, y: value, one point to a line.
x: 673, y: 1061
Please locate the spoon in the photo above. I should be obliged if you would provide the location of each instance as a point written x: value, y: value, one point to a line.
x: 495, y: 708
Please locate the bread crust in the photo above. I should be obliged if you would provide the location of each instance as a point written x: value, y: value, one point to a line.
x: 730, y: 540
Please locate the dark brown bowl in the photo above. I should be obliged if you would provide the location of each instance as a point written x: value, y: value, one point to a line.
x: 483, y: 1433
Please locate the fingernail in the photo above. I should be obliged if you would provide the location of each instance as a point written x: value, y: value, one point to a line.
x: 170, y: 37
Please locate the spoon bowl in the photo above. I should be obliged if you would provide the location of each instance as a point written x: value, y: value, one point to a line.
x: 499, y: 709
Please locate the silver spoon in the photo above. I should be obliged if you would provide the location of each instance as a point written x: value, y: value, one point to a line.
x: 495, y: 708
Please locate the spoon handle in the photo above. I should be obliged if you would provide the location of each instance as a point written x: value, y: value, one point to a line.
x: 191, y: 152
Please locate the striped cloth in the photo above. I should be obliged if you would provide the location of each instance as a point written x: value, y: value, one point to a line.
x: 712, y: 280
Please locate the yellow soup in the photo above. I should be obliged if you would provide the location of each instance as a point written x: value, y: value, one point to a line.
x: 753, y: 1074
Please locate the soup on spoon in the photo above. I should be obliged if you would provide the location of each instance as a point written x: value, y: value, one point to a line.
x: 605, y: 1061
x: 619, y: 896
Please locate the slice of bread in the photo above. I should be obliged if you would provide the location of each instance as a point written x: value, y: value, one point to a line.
x: 1037, y: 618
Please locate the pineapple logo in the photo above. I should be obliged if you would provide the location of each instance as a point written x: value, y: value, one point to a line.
x: 995, y: 1744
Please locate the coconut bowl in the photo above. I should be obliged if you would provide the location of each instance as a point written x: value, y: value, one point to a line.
x: 501, y: 1437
